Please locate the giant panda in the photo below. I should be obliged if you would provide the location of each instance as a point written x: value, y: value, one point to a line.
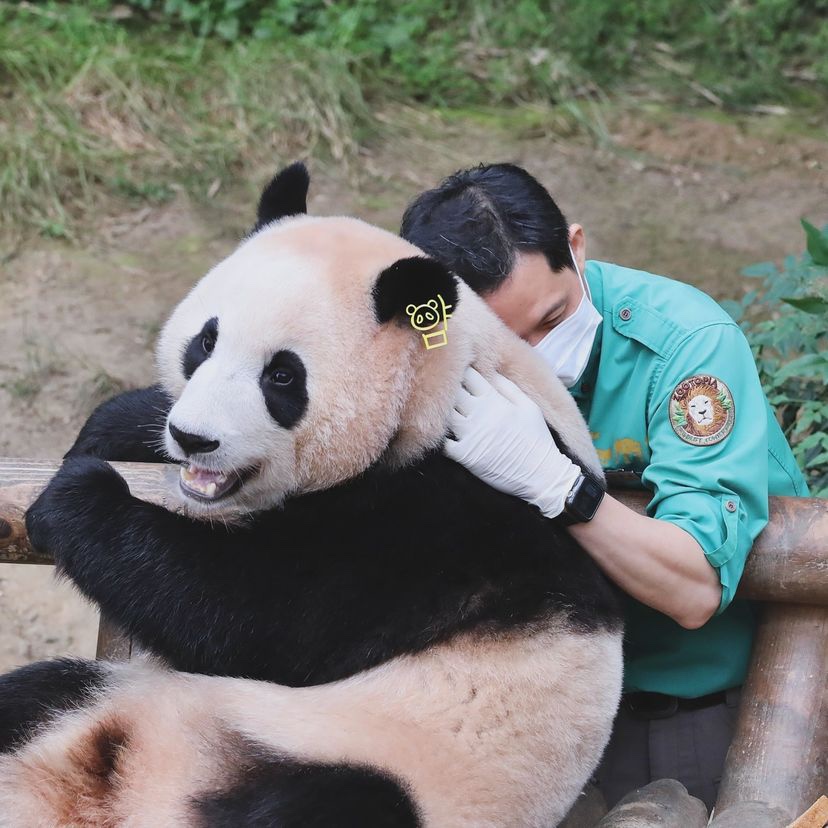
x: 346, y: 627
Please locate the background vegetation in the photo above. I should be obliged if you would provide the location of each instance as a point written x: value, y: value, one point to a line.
x: 133, y: 99
x: 93, y: 106
x: 786, y: 321
x: 131, y: 96
x: 473, y: 51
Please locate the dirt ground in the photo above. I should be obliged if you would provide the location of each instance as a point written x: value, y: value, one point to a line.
x: 689, y: 196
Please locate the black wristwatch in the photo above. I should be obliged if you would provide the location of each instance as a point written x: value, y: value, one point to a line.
x: 583, y: 500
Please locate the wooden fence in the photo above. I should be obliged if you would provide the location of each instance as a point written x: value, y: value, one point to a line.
x: 778, y: 761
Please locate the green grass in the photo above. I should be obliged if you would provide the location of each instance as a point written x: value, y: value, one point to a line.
x: 468, y: 50
x: 90, y: 108
x: 132, y: 99
x: 568, y: 119
x: 740, y: 52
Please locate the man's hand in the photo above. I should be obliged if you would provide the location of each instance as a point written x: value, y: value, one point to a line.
x: 502, y: 438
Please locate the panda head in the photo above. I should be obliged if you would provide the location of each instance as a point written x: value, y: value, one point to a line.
x: 294, y: 363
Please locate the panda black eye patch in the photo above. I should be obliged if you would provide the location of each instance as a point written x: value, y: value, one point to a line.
x: 284, y: 386
x: 200, y: 347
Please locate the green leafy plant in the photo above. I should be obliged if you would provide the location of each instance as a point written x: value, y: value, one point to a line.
x: 489, y: 51
x: 786, y: 322
x: 226, y: 18
x: 109, y: 96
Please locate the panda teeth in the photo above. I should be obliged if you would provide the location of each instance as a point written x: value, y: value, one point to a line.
x: 202, y: 481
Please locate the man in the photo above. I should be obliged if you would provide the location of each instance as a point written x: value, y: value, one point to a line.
x: 668, y: 386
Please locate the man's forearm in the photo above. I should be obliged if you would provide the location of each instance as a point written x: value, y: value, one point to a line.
x: 655, y: 561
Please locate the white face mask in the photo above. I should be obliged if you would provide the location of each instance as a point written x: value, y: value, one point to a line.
x: 567, y: 346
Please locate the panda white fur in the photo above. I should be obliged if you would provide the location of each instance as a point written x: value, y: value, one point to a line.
x: 368, y: 634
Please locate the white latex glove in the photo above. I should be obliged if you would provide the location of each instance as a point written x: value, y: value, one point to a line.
x: 502, y: 438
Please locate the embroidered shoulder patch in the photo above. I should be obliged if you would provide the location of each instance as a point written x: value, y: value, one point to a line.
x: 702, y: 411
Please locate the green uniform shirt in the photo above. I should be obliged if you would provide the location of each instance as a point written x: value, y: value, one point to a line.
x: 671, y: 391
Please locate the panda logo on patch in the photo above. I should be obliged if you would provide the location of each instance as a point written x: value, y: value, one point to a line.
x: 431, y: 316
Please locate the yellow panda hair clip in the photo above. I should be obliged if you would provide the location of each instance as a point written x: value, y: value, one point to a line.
x: 431, y: 316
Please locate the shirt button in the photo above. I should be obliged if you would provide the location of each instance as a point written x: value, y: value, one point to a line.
x: 625, y: 314
x: 730, y: 505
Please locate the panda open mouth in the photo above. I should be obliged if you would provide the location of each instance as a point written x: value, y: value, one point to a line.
x: 208, y: 485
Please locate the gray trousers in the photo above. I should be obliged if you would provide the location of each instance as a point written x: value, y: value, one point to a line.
x: 689, y: 746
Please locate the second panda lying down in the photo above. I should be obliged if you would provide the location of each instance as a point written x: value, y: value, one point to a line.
x: 428, y: 651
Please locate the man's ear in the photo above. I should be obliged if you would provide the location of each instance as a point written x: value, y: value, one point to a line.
x: 412, y: 281
x: 286, y: 195
x: 577, y: 241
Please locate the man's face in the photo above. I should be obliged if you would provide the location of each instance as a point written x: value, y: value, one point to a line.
x: 535, y: 299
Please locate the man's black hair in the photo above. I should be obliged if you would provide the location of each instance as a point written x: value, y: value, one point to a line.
x: 477, y: 220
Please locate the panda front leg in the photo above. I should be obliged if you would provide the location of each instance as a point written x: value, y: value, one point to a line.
x: 179, y: 585
x: 127, y: 428
x: 33, y: 695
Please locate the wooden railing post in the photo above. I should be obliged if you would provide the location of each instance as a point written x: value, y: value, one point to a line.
x: 20, y: 483
x: 113, y: 644
x: 779, y: 752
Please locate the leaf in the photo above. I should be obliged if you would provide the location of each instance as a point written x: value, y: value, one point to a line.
x: 812, y: 441
x: 228, y: 28
x: 818, y: 460
x: 802, y: 366
x: 809, y: 304
x: 817, y: 244
x: 760, y: 270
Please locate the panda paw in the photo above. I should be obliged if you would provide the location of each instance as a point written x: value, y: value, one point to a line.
x: 81, y: 496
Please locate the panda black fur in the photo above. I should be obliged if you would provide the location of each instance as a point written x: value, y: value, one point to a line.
x: 434, y: 652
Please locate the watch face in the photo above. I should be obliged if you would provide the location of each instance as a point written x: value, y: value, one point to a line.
x: 586, y: 498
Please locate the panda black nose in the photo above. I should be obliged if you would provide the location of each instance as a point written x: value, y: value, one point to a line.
x: 193, y: 443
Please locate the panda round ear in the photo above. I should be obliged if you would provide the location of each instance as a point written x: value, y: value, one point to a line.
x: 413, y: 281
x: 286, y: 195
